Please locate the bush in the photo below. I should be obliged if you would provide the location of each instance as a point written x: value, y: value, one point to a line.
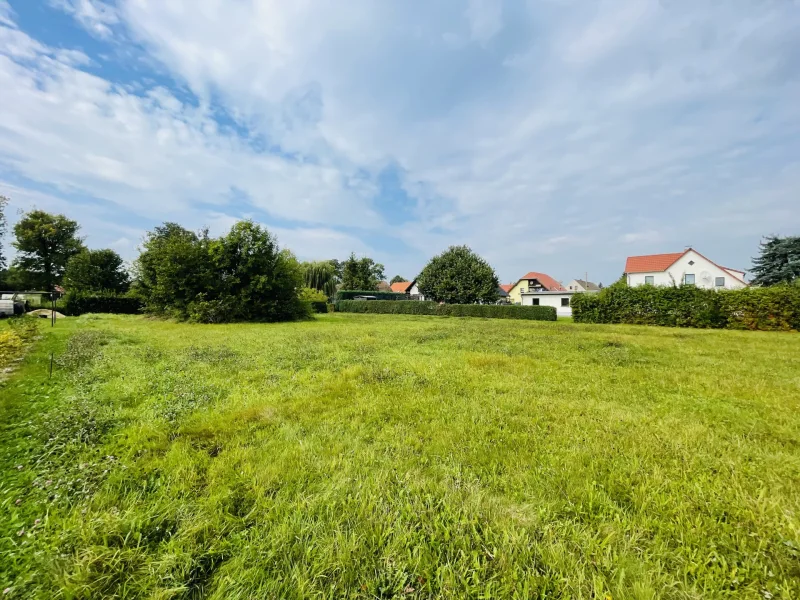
x: 767, y: 309
x: 75, y: 304
x: 319, y: 307
x: 350, y: 294
x: 489, y: 311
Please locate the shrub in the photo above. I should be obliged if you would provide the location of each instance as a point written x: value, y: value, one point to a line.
x: 768, y: 309
x: 350, y: 294
x: 489, y: 311
x: 319, y: 307
x: 75, y: 304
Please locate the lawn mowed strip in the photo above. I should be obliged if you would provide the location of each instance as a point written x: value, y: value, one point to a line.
x: 373, y: 456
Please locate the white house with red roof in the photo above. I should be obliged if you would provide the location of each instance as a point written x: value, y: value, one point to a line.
x: 677, y: 268
x: 408, y: 287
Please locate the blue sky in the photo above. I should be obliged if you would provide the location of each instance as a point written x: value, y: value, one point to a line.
x: 552, y: 135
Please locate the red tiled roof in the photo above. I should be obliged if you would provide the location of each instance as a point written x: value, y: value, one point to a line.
x: 651, y: 262
x: 506, y: 287
x: 401, y: 286
x: 550, y: 284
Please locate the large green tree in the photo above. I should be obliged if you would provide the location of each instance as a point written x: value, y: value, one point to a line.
x: 173, y: 268
x: 320, y: 276
x: 3, y: 227
x: 778, y: 261
x: 361, y: 273
x: 458, y: 276
x: 96, y: 271
x: 254, y: 279
x: 45, y: 243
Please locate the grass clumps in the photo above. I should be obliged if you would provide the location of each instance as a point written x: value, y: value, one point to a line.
x: 363, y: 457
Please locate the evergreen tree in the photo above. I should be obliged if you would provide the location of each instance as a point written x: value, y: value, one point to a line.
x: 778, y: 261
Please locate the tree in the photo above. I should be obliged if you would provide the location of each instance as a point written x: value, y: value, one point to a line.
x: 255, y: 279
x: 3, y: 227
x: 361, y: 273
x: 45, y: 243
x: 96, y: 271
x: 174, y: 266
x: 397, y: 279
x: 320, y: 276
x: 778, y: 261
x: 458, y: 276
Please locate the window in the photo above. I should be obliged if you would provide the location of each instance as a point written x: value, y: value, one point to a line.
x: 565, y: 302
x: 536, y: 302
x: 521, y: 290
x: 649, y: 279
x: 688, y: 278
x: 719, y: 282
x: 691, y: 263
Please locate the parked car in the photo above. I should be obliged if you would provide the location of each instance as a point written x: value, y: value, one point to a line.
x: 10, y: 305
x: 365, y: 298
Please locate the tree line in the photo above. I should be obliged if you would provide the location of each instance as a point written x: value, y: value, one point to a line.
x: 245, y: 275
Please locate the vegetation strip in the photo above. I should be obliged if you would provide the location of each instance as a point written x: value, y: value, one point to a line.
x: 354, y: 456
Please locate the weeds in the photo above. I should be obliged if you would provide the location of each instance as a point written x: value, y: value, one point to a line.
x: 400, y: 457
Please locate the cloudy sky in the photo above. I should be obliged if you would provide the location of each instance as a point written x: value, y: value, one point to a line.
x: 550, y: 135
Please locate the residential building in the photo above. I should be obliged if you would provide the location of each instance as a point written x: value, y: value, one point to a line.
x: 579, y: 285
x: 687, y: 267
x: 560, y: 300
x: 383, y: 286
x: 533, y: 282
x: 408, y: 287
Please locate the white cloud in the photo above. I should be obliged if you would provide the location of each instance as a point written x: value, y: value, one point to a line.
x: 6, y: 14
x: 96, y: 16
x: 568, y: 128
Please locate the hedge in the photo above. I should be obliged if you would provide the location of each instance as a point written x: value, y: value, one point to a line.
x: 319, y: 307
x: 78, y: 304
x: 350, y: 294
x: 774, y: 308
x: 490, y: 311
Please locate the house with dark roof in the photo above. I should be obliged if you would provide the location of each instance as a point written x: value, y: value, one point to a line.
x: 678, y: 268
x: 580, y: 285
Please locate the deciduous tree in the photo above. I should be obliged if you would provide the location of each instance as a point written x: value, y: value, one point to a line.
x: 361, y: 273
x: 96, y: 271
x: 44, y: 244
x: 458, y: 276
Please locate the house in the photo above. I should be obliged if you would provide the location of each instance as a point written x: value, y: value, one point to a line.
x: 502, y: 293
x: 561, y: 300
x: 687, y: 267
x: 533, y: 281
x: 408, y: 287
x: 579, y: 285
x: 384, y: 286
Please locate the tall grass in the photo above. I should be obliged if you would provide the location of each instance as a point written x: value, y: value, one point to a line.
x: 384, y: 457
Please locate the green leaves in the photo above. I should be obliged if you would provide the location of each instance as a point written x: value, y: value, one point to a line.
x: 96, y: 271
x: 775, y: 308
x: 778, y: 261
x: 361, y: 273
x: 45, y: 243
x: 458, y: 276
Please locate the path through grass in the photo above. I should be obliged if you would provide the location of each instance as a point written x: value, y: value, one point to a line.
x: 385, y: 457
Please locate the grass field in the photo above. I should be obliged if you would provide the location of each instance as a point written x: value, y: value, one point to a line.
x: 361, y: 456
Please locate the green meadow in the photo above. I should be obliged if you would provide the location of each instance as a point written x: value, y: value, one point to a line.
x: 378, y: 456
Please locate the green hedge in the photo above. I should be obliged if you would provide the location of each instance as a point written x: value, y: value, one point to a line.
x: 350, y: 294
x: 774, y: 308
x: 78, y: 304
x: 319, y: 307
x: 491, y: 311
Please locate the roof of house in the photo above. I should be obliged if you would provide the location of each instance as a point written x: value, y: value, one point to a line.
x: 502, y: 292
x: 651, y: 263
x: 547, y: 282
x: 588, y: 284
x: 506, y: 287
x: 401, y: 286
x: 383, y: 286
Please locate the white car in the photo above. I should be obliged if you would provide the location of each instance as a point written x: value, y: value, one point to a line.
x: 10, y: 305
